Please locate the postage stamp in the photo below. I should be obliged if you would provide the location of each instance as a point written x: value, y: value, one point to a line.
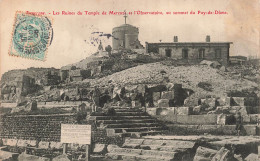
x: 31, y: 36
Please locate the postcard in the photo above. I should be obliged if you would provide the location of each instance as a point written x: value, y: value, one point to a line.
x: 151, y: 80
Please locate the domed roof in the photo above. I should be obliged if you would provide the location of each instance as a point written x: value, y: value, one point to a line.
x: 125, y: 26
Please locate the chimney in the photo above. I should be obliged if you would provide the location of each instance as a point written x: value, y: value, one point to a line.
x: 207, y: 38
x: 175, y: 39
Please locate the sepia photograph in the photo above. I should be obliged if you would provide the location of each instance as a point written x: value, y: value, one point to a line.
x: 129, y: 80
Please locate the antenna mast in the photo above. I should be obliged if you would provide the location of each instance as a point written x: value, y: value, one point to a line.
x: 125, y: 17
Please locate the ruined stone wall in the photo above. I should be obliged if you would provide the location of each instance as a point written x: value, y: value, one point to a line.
x: 33, y: 127
x: 47, y: 128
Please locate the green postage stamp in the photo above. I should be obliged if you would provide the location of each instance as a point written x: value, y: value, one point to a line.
x: 31, y: 36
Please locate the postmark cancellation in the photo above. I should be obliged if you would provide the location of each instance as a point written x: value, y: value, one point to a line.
x: 31, y: 36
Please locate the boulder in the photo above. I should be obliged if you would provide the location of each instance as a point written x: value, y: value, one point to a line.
x: 22, y: 143
x: 132, y: 96
x: 10, y: 142
x: 110, y: 132
x: 196, y: 110
x: 166, y: 111
x: 43, y: 145
x: 62, y: 157
x: 151, y: 111
x: 8, y: 156
x: 221, y: 119
x: 100, y: 148
x: 167, y: 95
x: 31, y: 106
x: 210, y: 102
x: 163, y: 103
x: 110, y: 111
x: 157, y: 88
x: 27, y: 157
x: 111, y: 147
x: 251, y: 101
x: 225, y: 119
x: 118, y: 91
x: 205, y: 154
x: 183, y: 110
x: 224, y: 101
x: 206, y: 62
x: 215, y: 64
x: 238, y: 101
x: 223, y: 69
x: 255, y: 118
x: 82, y: 107
x: 17, y: 109
x: 252, y: 157
x: 222, y: 110
x: 238, y: 157
x: 156, y: 97
x: 141, y: 88
x: 177, y: 87
x: 136, y: 104
x: 241, y: 109
x: 169, y: 86
x: 32, y: 143
x: 56, y: 145
x: 223, y: 155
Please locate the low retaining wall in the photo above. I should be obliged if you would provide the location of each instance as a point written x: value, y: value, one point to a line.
x: 60, y: 104
x: 47, y: 128
x: 34, y: 127
x: 190, y: 119
x: 201, y: 119
x: 8, y: 105
x: 211, y: 129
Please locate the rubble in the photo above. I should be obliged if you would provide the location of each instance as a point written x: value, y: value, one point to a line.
x: 252, y: 157
x: 193, y: 99
x: 100, y: 148
x: 222, y: 155
x: 27, y: 157
x: 183, y: 110
x: 204, y: 153
x: 163, y: 103
x: 62, y: 157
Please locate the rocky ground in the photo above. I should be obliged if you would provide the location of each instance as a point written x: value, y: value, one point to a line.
x: 221, y: 82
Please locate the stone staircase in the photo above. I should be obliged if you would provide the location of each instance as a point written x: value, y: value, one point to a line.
x: 128, y: 122
x: 153, y: 150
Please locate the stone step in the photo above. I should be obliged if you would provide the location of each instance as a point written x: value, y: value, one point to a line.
x: 126, y: 121
x: 134, y: 157
x: 154, y: 153
x: 121, y: 117
x: 128, y: 109
x: 140, y: 134
x: 127, y: 113
x: 122, y: 114
x: 132, y: 125
x: 158, y: 144
x: 138, y: 129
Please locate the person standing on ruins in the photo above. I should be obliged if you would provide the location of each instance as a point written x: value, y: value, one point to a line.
x: 96, y: 98
x: 239, y: 121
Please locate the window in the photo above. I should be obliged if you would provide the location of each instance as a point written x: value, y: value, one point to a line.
x: 168, y: 52
x: 218, y: 53
x: 201, y: 54
x: 185, y: 53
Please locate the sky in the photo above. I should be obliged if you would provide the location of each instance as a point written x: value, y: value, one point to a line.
x: 72, y: 34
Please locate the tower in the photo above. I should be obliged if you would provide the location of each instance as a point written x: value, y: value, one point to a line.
x: 125, y: 37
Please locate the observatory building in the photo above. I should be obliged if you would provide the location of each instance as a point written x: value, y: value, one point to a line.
x: 126, y: 37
